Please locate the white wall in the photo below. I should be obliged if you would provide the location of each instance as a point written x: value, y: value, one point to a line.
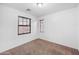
x: 61, y: 27
x: 78, y: 26
x: 9, y: 26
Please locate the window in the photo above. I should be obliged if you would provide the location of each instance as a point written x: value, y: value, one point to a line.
x: 42, y: 26
x: 24, y: 25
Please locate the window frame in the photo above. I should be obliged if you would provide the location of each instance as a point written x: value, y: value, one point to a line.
x: 29, y: 19
x: 41, y: 25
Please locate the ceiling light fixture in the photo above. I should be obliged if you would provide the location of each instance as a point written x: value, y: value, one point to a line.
x: 39, y: 4
x: 28, y: 9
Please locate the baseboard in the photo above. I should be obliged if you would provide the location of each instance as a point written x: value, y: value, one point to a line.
x: 43, y: 47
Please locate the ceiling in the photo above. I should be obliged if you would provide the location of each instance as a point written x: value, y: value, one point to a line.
x: 46, y: 9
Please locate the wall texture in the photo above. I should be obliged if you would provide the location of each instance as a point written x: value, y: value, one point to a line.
x: 9, y: 26
x: 78, y: 26
x: 61, y: 27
